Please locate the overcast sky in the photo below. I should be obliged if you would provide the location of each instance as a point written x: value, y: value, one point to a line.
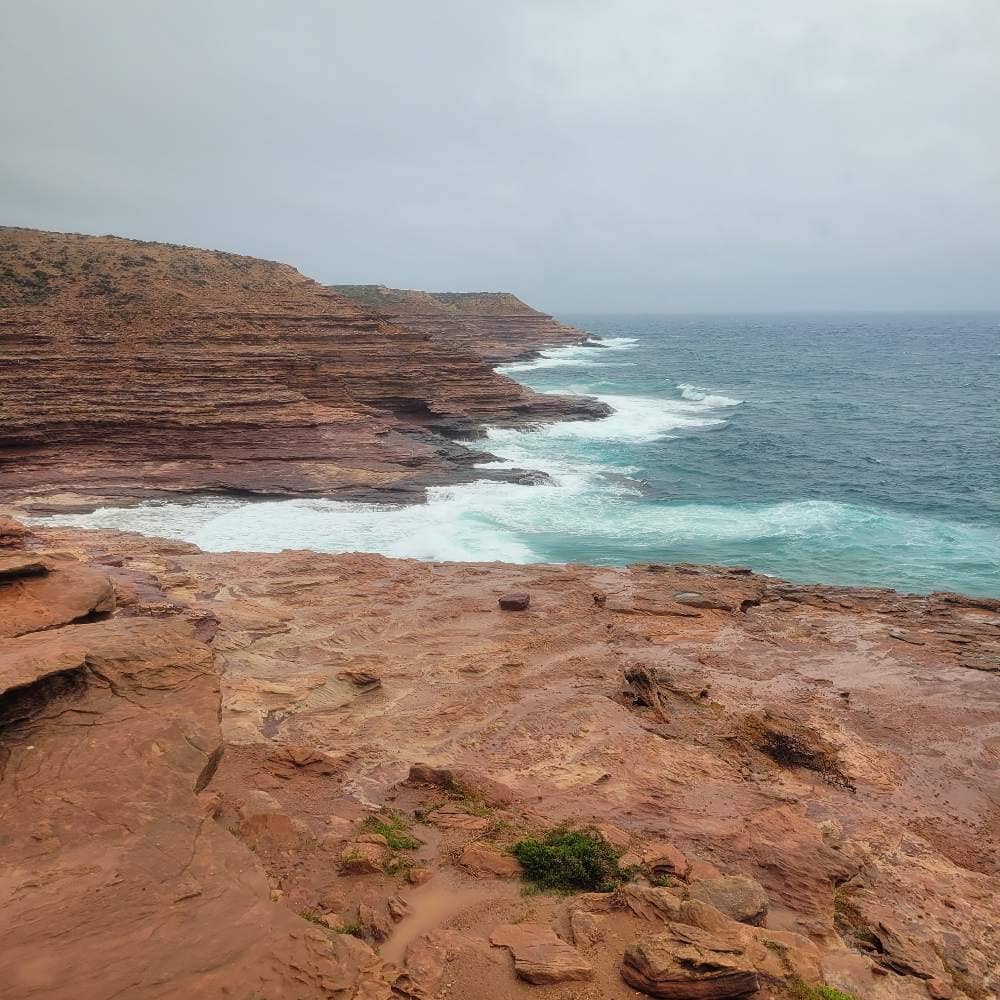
x: 635, y: 155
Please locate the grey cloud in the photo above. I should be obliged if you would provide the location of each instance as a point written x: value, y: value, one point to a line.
x: 640, y: 155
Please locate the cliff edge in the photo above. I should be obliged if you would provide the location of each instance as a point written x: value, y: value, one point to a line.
x: 131, y: 370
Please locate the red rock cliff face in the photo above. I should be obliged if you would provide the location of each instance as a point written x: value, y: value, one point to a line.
x: 496, y: 325
x: 132, y: 369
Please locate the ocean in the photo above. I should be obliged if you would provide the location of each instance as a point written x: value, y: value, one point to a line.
x: 841, y: 449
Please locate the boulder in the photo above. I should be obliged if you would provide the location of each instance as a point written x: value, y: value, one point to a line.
x: 451, y: 816
x: 737, y: 896
x: 361, y: 858
x: 13, y: 534
x: 16, y: 564
x: 540, y: 956
x: 481, y: 859
x: 515, y: 601
x: 463, y: 781
x: 687, y: 963
x: 651, y: 902
x: 587, y: 929
x: 778, y: 955
x: 375, y: 923
x: 662, y: 859
x: 66, y: 593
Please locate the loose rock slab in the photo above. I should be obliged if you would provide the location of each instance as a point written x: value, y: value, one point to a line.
x: 687, y: 963
x: 737, y: 896
x: 540, y: 956
x: 515, y: 601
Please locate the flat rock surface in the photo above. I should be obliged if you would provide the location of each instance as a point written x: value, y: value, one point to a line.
x: 540, y: 956
x: 870, y: 821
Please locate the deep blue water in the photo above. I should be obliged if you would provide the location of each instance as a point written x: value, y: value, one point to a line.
x: 853, y: 449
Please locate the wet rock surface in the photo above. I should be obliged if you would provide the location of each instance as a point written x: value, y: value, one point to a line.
x: 242, y: 815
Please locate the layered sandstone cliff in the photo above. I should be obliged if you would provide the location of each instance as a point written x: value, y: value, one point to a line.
x: 496, y: 325
x: 131, y: 369
x: 300, y: 775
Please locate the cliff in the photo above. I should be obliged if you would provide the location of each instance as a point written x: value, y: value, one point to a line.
x: 495, y: 325
x: 132, y: 370
x: 302, y: 775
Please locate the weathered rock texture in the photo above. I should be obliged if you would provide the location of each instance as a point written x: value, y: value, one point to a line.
x: 131, y: 369
x: 116, y: 880
x: 495, y: 325
x: 782, y: 734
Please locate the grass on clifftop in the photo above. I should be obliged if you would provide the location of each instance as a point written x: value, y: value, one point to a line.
x: 570, y: 860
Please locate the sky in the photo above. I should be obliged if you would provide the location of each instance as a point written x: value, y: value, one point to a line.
x: 635, y: 156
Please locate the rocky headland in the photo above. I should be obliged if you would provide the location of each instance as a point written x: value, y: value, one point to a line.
x: 302, y: 776
x: 132, y: 370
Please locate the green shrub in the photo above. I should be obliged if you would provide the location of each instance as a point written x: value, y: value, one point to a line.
x: 392, y: 826
x: 569, y: 859
x: 829, y: 993
x: 804, y: 991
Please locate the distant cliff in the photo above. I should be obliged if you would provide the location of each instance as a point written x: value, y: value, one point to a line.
x: 132, y: 369
x: 497, y: 326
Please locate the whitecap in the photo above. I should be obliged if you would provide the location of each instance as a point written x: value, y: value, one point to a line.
x: 707, y: 396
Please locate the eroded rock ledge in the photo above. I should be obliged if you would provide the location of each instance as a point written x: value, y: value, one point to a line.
x: 131, y: 370
x: 298, y: 775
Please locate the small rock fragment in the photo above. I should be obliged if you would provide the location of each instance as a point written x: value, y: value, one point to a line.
x: 482, y: 860
x: 737, y: 896
x: 661, y: 858
x: 374, y: 923
x: 587, y: 929
x: 540, y: 956
x: 515, y: 601
x: 361, y: 858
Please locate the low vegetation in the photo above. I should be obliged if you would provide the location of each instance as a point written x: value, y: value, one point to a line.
x: 353, y: 927
x: 393, y: 827
x: 819, y: 991
x: 570, y: 859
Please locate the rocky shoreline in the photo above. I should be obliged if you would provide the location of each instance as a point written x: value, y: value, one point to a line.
x: 300, y: 775
x: 133, y: 371
x: 307, y: 776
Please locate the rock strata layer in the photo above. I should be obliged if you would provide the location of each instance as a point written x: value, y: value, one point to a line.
x: 131, y: 370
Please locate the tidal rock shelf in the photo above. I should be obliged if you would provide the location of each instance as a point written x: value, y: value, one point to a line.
x: 303, y: 776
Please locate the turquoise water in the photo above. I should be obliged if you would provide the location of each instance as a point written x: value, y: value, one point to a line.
x: 839, y: 449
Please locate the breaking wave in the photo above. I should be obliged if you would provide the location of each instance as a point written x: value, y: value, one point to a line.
x: 595, y: 507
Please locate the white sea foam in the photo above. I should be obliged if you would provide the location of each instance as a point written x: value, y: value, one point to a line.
x: 617, y: 343
x: 699, y: 395
x: 593, y: 354
x: 495, y: 521
x: 635, y: 419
